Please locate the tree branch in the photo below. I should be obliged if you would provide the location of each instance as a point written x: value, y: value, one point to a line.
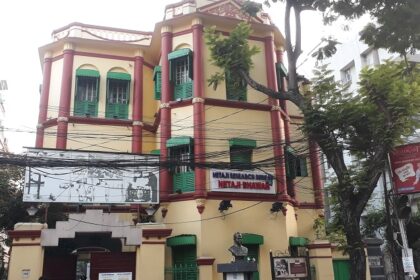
x: 293, y: 96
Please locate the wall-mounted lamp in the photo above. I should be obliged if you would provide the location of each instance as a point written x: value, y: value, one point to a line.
x: 32, y: 210
x: 224, y: 205
x: 276, y: 207
x: 150, y: 211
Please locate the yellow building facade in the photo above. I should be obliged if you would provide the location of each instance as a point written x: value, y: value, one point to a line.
x: 238, y: 161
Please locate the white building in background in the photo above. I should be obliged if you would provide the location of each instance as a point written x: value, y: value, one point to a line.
x: 3, y: 140
x: 351, y: 57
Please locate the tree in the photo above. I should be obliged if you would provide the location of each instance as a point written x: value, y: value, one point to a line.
x: 368, y: 125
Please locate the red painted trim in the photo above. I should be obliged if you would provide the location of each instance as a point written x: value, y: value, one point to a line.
x: 159, y: 233
x: 110, y: 56
x: 205, y: 261
x: 198, y: 112
x: 239, y: 104
x: 181, y: 197
x: 183, y: 32
x: 25, y: 244
x: 275, y: 116
x: 43, y: 104
x: 154, y: 243
x: 165, y: 181
x: 316, y: 173
x: 309, y: 205
x: 65, y: 98
x: 319, y: 246
x: 99, y: 121
x: 58, y: 57
x: 181, y: 103
x: 250, y: 197
x: 254, y: 38
x: 320, y: 257
x: 137, y: 131
x: 296, y: 117
x: 24, y: 233
x: 100, y: 27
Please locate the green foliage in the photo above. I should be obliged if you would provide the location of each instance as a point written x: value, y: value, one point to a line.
x: 232, y: 53
x: 373, y: 221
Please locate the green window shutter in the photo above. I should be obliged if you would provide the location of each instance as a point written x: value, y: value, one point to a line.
x: 243, y: 142
x: 181, y: 240
x: 253, y: 253
x: 87, y: 93
x: 290, y: 161
x: 185, y: 54
x: 190, y: 66
x: 184, y: 255
x: 157, y: 78
x: 155, y: 152
x: 183, y: 182
x: 252, y: 239
x: 87, y: 73
x: 118, y: 76
x: 240, y: 156
x: 302, y: 169
x: 183, y: 91
x: 179, y: 141
x: 111, y: 111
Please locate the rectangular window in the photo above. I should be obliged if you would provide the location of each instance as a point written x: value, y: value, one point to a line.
x: 118, y: 93
x: 157, y: 78
x: 184, y: 259
x: 301, y: 168
x: 296, y: 165
x: 347, y: 73
x: 87, y: 91
x: 241, y: 150
x: 235, y: 87
x: 181, y: 155
x: 181, y: 73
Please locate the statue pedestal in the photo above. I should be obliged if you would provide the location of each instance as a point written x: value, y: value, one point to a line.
x: 238, y: 270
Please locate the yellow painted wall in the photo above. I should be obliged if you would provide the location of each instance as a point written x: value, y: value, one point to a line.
x: 305, y: 222
x: 26, y: 258
x: 182, y: 121
x: 103, y: 66
x: 50, y: 137
x: 55, y: 88
x: 182, y: 41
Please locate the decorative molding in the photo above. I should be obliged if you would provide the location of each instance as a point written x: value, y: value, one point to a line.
x: 165, y: 106
x: 320, y: 257
x: 276, y: 108
x: 309, y: 205
x: 16, y: 234
x: 319, y: 246
x: 62, y: 119
x: 159, y: 233
x: 205, y: 261
x: 198, y: 100
x: 228, y: 8
x: 154, y: 242
x: 25, y: 244
x: 201, y: 208
x: 164, y: 212
x: 138, y: 123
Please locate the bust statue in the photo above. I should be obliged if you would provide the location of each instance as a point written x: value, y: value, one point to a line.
x: 238, y: 251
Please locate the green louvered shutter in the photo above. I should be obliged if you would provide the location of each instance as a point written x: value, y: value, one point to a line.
x: 253, y: 253
x: 290, y: 161
x: 87, y: 93
x: 111, y: 111
x: 184, y: 259
x: 157, y: 78
x: 302, y: 169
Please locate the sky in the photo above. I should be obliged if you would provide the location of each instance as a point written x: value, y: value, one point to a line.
x: 26, y: 25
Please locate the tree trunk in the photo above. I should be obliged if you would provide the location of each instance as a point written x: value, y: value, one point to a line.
x: 355, y: 244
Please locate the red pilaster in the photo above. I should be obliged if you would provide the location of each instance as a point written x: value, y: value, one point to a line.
x: 198, y: 108
x: 65, y: 99
x: 165, y: 119
x: 280, y: 170
x: 43, y: 103
x: 283, y: 104
x: 136, y: 144
x: 316, y: 173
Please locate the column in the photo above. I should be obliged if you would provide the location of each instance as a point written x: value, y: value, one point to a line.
x: 316, y: 174
x: 165, y: 112
x: 65, y: 97
x: 206, y: 268
x: 43, y: 103
x: 320, y: 258
x: 276, y: 127
x: 150, y: 256
x: 198, y: 109
x: 26, y: 253
x: 136, y: 144
x: 286, y: 122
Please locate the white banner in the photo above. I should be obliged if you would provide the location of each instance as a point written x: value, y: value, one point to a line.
x: 86, y: 184
x: 242, y: 181
x: 116, y: 276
